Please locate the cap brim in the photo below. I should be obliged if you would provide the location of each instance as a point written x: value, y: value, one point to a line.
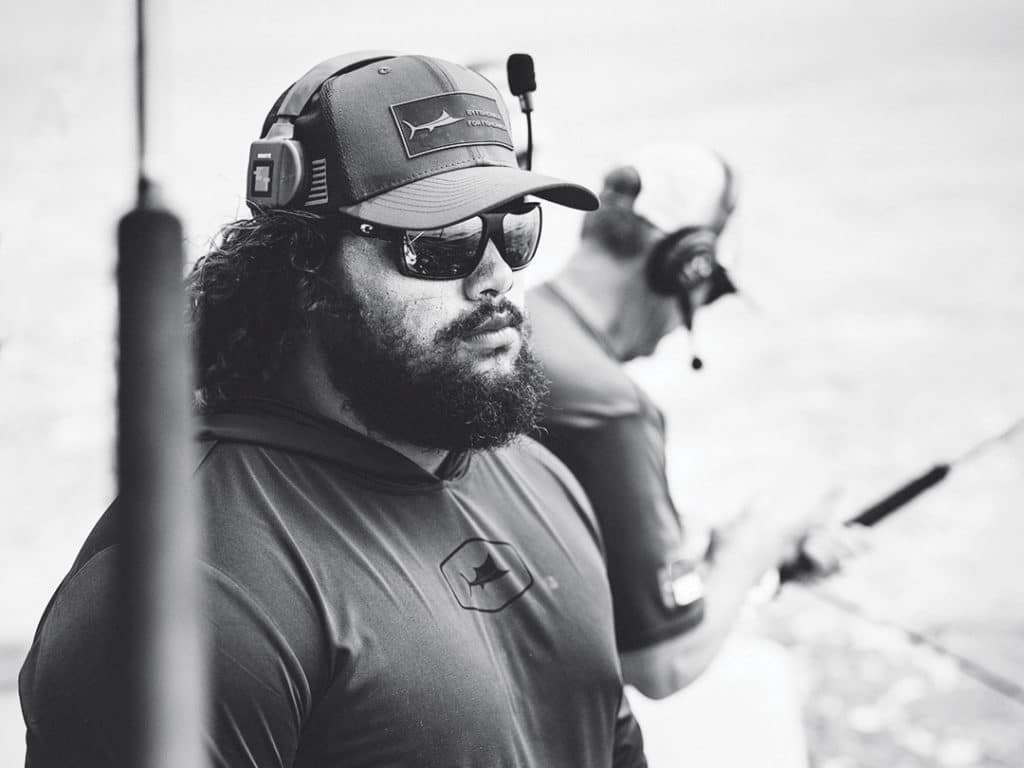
x: 445, y: 198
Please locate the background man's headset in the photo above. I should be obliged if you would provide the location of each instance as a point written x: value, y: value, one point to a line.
x: 687, y: 258
x: 278, y: 175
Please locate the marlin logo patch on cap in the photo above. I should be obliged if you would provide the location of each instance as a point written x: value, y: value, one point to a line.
x: 486, y: 575
x: 443, y: 119
x: 449, y: 120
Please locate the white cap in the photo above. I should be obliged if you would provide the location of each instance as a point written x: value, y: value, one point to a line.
x: 681, y: 185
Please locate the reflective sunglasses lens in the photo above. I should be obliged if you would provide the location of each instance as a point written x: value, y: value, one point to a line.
x: 521, y: 235
x: 449, y: 252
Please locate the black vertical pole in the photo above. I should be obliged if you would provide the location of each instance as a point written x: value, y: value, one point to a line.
x: 160, y: 524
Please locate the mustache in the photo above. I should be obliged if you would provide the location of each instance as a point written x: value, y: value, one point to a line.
x: 472, y: 320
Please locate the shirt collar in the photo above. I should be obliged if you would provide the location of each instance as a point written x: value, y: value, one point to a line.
x: 278, y: 424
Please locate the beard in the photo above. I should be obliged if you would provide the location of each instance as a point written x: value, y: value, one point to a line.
x: 426, y: 395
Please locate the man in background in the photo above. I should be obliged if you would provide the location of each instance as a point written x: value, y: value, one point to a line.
x: 645, y: 264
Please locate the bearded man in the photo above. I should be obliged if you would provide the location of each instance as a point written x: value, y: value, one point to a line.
x: 396, y: 577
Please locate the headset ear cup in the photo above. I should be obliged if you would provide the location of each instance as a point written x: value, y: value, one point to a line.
x: 276, y: 174
x: 656, y: 271
x: 660, y: 269
x: 667, y: 273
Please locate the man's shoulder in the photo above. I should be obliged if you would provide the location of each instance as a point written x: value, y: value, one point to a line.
x: 528, y: 458
x: 275, y: 439
x: 541, y: 470
x: 528, y: 451
x: 586, y: 382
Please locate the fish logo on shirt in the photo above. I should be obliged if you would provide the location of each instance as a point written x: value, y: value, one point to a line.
x: 486, y: 572
x: 485, y: 575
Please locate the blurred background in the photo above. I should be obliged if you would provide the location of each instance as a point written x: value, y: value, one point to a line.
x: 881, y: 172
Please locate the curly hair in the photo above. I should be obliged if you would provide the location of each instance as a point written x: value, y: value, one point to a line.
x: 250, y: 299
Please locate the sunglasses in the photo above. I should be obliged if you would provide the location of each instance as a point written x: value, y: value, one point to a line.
x: 455, y: 251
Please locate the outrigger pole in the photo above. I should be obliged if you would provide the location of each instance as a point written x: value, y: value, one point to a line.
x: 160, y: 527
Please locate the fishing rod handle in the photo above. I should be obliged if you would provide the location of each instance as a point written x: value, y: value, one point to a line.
x: 901, y: 496
x: 802, y: 565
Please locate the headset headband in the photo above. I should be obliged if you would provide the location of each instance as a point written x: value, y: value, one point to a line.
x: 302, y: 91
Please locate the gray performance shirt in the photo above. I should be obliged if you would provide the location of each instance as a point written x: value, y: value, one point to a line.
x: 363, y: 612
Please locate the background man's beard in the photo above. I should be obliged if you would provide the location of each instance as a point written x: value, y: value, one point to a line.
x: 427, y: 396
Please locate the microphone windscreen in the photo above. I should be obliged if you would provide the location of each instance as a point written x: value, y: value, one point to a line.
x: 521, y: 77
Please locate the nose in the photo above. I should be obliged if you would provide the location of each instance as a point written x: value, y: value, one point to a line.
x: 492, y: 277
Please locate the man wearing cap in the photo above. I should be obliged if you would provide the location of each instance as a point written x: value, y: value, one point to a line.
x: 645, y: 263
x: 396, y: 576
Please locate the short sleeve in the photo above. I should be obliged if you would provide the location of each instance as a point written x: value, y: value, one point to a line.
x: 620, y: 463
x: 73, y: 682
x: 259, y: 692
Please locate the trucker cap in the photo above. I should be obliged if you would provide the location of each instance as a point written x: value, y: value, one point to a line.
x: 414, y: 142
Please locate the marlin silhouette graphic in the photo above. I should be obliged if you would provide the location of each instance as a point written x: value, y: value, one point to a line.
x: 486, y: 572
x: 443, y: 119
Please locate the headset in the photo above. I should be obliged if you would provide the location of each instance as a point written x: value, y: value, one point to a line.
x: 684, y: 259
x: 277, y: 174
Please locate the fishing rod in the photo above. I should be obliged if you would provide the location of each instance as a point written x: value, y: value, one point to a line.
x: 158, y: 563
x: 907, y: 492
x: 880, y: 510
x: 932, y: 477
